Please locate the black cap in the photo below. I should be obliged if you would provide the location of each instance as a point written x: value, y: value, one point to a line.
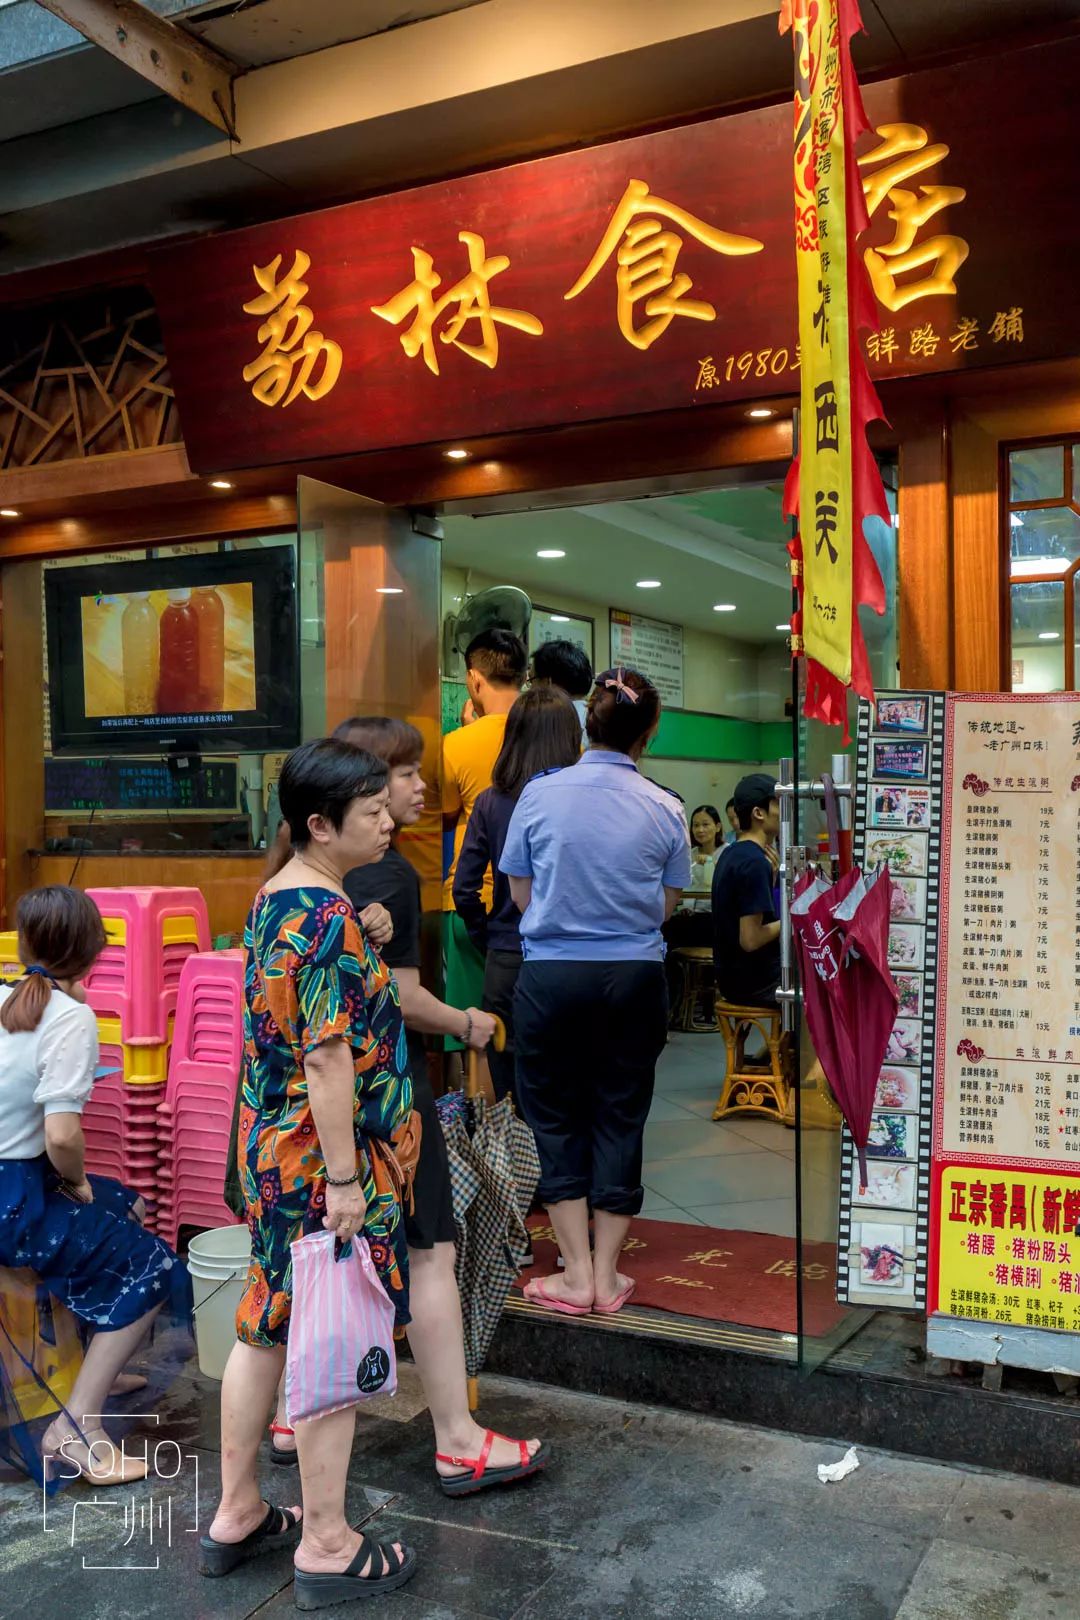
x: 754, y: 792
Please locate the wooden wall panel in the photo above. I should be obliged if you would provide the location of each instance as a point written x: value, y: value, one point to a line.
x: 925, y: 559
x: 228, y: 882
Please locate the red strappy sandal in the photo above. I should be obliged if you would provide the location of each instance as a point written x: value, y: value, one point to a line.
x: 482, y: 1477
x: 284, y: 1459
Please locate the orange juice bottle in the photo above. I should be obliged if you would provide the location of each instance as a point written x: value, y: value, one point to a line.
x: 178, y: 671
x: 209, y: 609
x: 139, y: 643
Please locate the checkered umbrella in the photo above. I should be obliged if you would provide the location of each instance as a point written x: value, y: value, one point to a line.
x: 494, y: 1173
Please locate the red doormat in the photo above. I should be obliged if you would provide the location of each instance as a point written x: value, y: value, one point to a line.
x: 742, y: 1277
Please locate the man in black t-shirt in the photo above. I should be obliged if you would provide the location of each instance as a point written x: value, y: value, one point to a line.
x: 746, y: 930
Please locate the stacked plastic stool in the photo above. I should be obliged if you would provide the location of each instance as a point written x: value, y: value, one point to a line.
x: 134, y: 989
x: 196, y: 1114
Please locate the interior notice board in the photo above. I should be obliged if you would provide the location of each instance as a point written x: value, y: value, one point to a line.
x: 1006, y: 1147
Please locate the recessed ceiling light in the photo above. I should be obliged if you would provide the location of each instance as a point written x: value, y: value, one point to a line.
x: 551, y: 556
x: 456, y: 454
x: 220, y: 483
x: 760, y: 412
x: 723, y: 607
x: 785, y: 627
x: 9, y: 511
x: 648, y: 584
x: 389, y: 590
x: 1049, y: 635
x: 560, y: 618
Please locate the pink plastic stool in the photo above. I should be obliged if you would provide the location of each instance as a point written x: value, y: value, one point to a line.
x: 152, y: 932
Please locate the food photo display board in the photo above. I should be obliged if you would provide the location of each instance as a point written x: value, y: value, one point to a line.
x: 897, y: 818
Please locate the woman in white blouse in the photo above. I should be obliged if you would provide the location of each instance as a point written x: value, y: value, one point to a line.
x: 80, y: 1235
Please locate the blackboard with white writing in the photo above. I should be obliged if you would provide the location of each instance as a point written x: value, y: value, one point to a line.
x: 138, y: 785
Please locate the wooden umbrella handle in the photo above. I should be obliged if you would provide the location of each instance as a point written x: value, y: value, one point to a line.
x: 472, y: 1061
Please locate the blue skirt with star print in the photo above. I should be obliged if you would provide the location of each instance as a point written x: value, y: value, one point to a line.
x: 106, y: 1268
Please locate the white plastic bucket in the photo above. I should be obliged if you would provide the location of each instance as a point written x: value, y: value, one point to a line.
x: 218, y: 1262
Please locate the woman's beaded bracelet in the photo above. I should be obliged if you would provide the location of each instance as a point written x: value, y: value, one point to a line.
x: 348, y: 1182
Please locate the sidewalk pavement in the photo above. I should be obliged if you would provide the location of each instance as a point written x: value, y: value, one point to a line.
x: 644, y: 1515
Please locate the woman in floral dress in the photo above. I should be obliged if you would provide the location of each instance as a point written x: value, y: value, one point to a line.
x: 326, y: 1072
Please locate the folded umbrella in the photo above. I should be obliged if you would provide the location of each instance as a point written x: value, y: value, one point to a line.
x: 841, y: 935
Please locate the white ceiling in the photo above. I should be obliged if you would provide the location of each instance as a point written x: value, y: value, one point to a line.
x: 714, y: 546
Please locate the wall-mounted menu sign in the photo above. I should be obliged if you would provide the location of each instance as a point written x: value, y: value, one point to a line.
x: 133, y: 786
x: 1007, y: 1083
x: 654, y: 648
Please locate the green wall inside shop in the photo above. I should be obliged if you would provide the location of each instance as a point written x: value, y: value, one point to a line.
x: 682, y: 734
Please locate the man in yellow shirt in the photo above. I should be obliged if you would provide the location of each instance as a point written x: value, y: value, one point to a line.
x: 495, y: 664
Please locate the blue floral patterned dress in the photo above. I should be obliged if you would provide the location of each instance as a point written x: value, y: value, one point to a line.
x: 311, y: 976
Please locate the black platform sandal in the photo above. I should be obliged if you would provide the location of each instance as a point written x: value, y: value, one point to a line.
x: 323, y: 1591
x: 277, y: 1530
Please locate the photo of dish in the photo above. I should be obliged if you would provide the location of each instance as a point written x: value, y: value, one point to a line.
x: 897, y: 1088
x: 891, y: 1186
x: 889, y: 1136
x: 909, y: 989
x: 881, y: 1255
x: 905, y: 945
x: 906, y: 853
x: 907, y: 900
x: 905, y: 1042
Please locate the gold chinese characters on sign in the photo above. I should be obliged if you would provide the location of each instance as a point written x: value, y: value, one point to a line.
x: 292, y: 348
x: 645, y: 257
x: 472, y: 297
x: 905, y: 151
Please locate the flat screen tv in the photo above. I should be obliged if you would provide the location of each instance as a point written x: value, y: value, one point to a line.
x: 178, y: 655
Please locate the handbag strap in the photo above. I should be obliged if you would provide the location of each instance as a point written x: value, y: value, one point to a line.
x: 832, y: 818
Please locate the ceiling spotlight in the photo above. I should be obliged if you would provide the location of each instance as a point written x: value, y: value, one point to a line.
x: 389, y: 590
x: 1049, y: 635
x: 723, y: 607
x: 220, y: 483
x: 551, y: 556
x: 760, y: 412
x: 648, y: 584
x: 784, y: 627
x: 9, y: 511
x: 456, y: 454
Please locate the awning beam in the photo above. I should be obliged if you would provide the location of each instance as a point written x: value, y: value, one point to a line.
x: 180, y: 65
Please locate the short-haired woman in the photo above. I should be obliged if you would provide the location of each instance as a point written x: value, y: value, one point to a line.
x: 467, y: 1457
x: 597, y: 857
x: 325, y: 1076
x: 80, y: 1235
x: 543, y: 733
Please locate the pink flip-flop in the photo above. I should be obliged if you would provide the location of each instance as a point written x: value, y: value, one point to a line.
x: 615, y: 1304
x: 548, y: 1302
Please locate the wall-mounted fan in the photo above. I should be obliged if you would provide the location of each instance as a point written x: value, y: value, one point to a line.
x: 502, y: 606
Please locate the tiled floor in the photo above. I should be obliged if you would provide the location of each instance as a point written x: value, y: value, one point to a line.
x: 738, y: 1174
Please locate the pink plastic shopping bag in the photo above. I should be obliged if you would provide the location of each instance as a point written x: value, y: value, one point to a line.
x: 341, y: 1330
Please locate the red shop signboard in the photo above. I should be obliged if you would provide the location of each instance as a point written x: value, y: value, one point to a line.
x: 649, y: 274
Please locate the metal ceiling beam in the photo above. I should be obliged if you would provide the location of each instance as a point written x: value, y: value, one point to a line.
x: 178, y: 64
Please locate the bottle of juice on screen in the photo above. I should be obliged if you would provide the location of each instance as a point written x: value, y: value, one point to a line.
x: 139, y: 646
x: 178, y: 671
x: 210, y: 611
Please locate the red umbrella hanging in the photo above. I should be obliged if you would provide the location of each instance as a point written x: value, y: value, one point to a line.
x: 842, y: 936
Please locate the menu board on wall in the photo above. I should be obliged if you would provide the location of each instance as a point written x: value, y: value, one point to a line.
x: 654, y: 648
x: 1004, y: 1245
x: 548, y: 625
x: 884, y: 1225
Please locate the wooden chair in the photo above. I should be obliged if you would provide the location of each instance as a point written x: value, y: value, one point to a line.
x: 754, y: 1087
x: 692, y: 967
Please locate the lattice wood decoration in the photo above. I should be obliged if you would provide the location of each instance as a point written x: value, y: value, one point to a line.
x: 88, y: 378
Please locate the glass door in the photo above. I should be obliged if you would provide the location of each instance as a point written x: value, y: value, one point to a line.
x: 819, y: 1134
x: 378, y: 582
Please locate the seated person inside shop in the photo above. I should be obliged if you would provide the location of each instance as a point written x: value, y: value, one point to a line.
x: 746, y: 928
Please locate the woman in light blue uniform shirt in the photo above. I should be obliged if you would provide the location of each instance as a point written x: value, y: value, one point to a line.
x: 597, y: 857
